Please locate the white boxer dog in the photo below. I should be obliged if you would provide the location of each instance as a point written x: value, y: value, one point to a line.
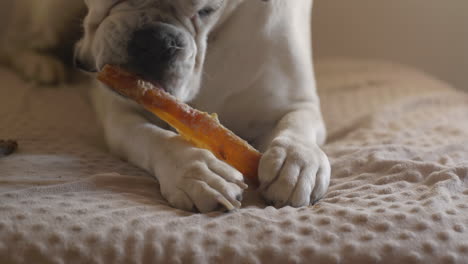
x: 248, y: 61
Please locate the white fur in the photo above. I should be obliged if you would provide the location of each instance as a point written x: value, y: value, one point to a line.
x: 257, y: 74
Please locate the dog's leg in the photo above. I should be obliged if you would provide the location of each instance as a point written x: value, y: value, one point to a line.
x: 294, y: 170
x: 38, y: 67
x: 190, y: 178
x: 53, y: 21
x: 36, y: 35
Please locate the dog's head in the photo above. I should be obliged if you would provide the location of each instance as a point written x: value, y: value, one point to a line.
x: 163, y: 40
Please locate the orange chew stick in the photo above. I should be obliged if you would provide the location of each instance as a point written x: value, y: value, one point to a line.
x: 200, y: 128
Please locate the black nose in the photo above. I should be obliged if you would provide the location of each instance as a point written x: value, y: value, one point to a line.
x: 79, y: 64
x: 153, y: 49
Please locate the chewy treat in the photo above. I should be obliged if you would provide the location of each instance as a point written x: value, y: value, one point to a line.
x: 200, y: 128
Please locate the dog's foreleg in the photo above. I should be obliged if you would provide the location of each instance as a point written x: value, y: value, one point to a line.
x: 190, y: 178
x: 36, y: 33
x: 294, y: 170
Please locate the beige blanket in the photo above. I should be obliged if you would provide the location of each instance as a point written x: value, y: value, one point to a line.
x: 398, y: 144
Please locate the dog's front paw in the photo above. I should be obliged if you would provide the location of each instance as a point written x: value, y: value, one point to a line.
x: 203, y: 184
x: 39, y: 68
x: 293, y: 173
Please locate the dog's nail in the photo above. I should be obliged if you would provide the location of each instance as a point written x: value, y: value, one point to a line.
x: 239, y: 197
x: 237, y: 203
x: 225, y: 203
x: 242, y: 185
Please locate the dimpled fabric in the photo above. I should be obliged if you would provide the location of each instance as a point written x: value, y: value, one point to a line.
x: 398, y: 145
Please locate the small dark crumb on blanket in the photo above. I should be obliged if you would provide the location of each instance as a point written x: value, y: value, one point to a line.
x: 7, y: 147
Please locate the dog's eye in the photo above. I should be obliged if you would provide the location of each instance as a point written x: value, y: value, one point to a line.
x: 206, y: 11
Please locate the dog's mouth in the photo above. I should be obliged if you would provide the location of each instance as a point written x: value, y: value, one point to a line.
x: 167, y: 84
x: 83, y: 66
x: 152, y: 82
x: 158, y: 52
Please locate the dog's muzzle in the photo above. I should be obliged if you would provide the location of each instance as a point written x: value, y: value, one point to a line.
x: 81, y: 65
x: 154, y: 49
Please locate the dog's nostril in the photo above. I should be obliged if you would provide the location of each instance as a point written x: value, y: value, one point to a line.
x: 154, y: 47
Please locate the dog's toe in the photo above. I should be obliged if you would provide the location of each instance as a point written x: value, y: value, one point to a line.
x: 293, y: 174
x: 207, y: 183
x: 40, y: 68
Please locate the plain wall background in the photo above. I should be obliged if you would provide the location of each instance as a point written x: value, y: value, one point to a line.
x: 428, y: 34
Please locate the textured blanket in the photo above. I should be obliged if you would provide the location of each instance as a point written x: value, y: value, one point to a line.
x: 398, y: 144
